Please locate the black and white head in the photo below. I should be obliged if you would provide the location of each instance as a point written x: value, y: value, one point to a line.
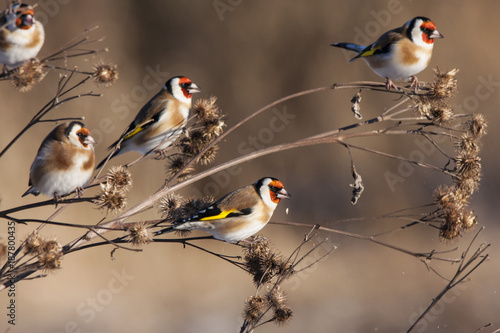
x: 78, y: 135
x: 271, y: 190
x: 182, y: 88
x: 422, y: 31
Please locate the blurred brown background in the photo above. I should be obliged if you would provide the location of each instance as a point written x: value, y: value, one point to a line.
x: 248, y: 54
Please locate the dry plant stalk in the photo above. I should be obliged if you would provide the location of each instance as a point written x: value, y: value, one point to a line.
x: 428, y: 113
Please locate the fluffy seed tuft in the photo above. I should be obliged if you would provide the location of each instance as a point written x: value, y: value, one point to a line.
x: 282, y: 315
x: 445, y: 84
x: 254, y: 308
x: 110, y: 198
x: 119, y: 178
x: 50, y: 255
x: 27, y: 75
x: 139, y: 234
x: 32, y: 244
x: 105, y: 74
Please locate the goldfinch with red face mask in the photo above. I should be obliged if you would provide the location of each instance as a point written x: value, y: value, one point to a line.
x: 21, y: 36
x: 64, y: 162
x: 239, y: 214
x: 400, y: 53
x: 159, y: 122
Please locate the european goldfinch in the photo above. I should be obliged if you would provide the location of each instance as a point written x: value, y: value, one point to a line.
x: 400, y: 53
x: 21, y: 36
x: 239, y: 214
x: 64, y: 162
x: 159, y: 122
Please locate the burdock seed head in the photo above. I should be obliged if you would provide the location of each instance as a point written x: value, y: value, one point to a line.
x: 119, y: 178
x: 50, y: 255
x: 105, y: 74
x: 27, y: 75
x: 32, y: 244
x: 254, y: 308
x: 110, y: 198
x: 476, y: 126
x: 445, y: 84
x: 139, y: 234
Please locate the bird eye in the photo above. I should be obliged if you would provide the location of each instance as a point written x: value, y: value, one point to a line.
x: 274, y: 188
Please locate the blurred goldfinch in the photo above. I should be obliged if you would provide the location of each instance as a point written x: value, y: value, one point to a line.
x: 64, y: 162
x: 400, y: 53
x: 21, y: 36
x: 239, y: 214
x: 159, y: 122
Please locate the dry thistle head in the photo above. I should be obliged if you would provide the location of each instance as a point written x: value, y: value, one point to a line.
x: 105, y: 74
x: 50, y: 255
x: 262, y: 262
x: 445, y: 84
x: 195, y: 143
x: 111, y: 198
x: 170, y: 207
x: 282, y: 315
x: 119, y: 178
x: 476, y: 126
x: 442, y: 113
x: 209, y: 156
x: 423, y: 106
x: 468, y: 165
x: 177, y: 163
x: 139, y: 234
x: 276, y: 297
x: 467, y: 186
x: 468, y: 144
x: 27, y: 75
x: 254, y: 309
x: 207, y: 110
x: 449, y: 231
x: 447, y: 198
x: 468, y: 219
x: 32, y: 244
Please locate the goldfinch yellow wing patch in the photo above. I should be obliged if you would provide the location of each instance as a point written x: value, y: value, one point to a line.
x: 219, y: 216
x: 134, y: 132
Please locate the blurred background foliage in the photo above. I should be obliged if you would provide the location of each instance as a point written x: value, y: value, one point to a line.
x: 248, y: 54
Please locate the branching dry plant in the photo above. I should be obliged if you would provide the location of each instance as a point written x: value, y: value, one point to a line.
x: 427, y: 113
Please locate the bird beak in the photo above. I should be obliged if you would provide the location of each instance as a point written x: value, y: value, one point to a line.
x: 436, y: 34
x: 89, y: 140
x: 283, y: 194
x: 193, y: 88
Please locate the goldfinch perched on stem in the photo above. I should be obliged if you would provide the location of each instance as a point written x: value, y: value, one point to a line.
x: 239, y: 214
x: 21, y: 37
x: 400, y: 53
x: 159, y: 122
x: 64, y: 162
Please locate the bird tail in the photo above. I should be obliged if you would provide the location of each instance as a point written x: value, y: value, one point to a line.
x: 164, y: 231
x: 351, y: 47
x: 31, y: 190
